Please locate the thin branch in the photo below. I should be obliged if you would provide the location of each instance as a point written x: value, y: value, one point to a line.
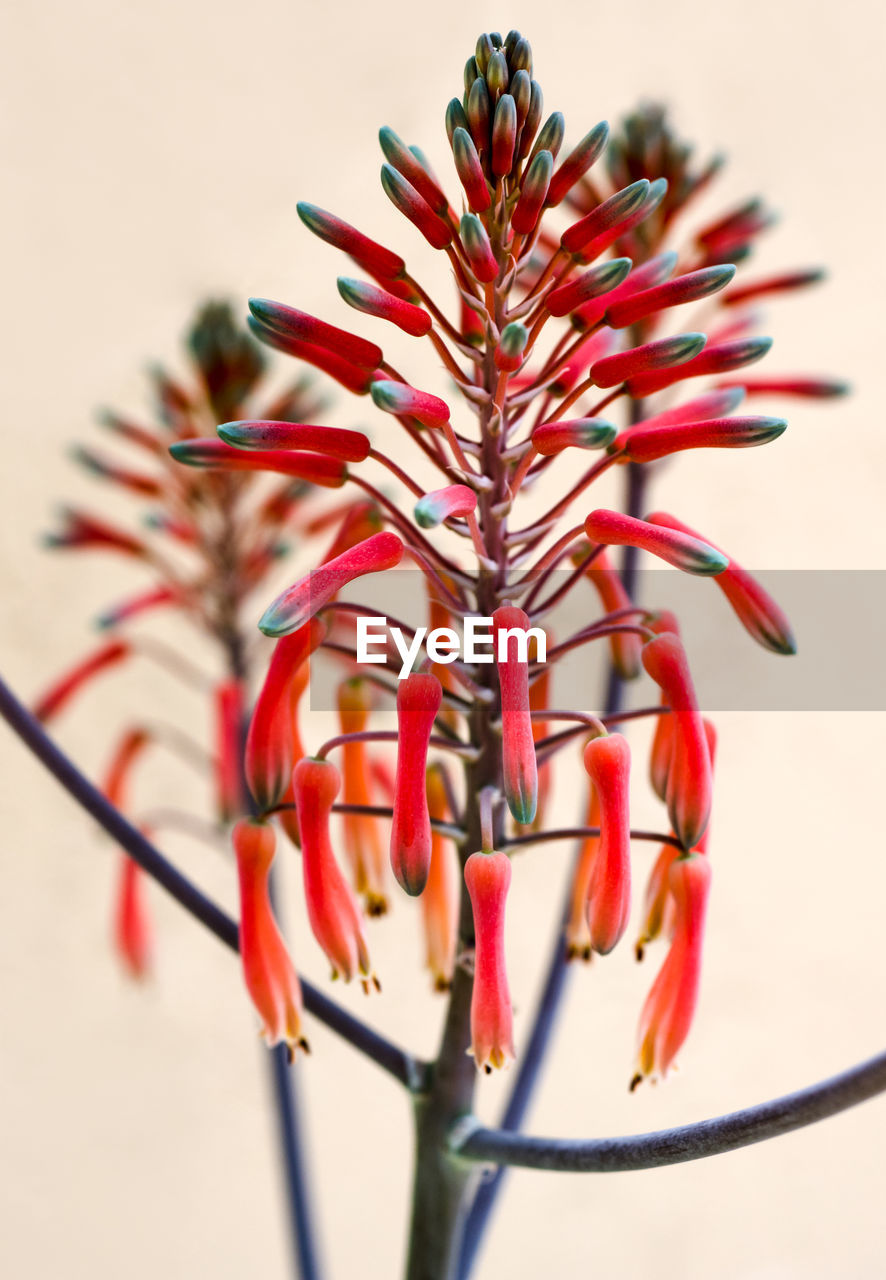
x: 410, y: 1071
x: 687, y: 1142
x: 581, y: 833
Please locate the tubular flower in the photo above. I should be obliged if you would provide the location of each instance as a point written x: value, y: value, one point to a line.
x: 488, y: 877
x: 132, y: 931
x: 657, y: 900
x: 268, y: 971
x: 670, y: 1006
x: 332, y: 909
x: 607, y: 761
x: 755, y: 609
x: 442, y: 504
x: 418, y: 702
x: 689, y: 772
x: 625, y: 646
x: 439, y: 902
x: 362, y: 838
x: 272, y: 742
x: 663, y: 736
x: 63, y: 690
x: 578, y: 934
x: 229, y: 721
x: 689, y: 554
x: 519, y: 769
x: 539, y: 700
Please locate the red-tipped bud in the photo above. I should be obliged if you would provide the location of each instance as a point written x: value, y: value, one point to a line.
x: 625, y: 646
x: 784, y: 283
x: 577, y: 433
x: 264, y: 435
x: 470, y: 171
x: 504, y: 135
x: 550, y: 137
x: 539, y: 700
x: 608, y: 763
x: 577, y: 163
x: 689, y: 772
x: 533, y: 192
x: 355, y: 378
x: 590, y: 284
x: 662, y: 354
x: 210, y: 454
x: 675, y: 293
x: 373, y: 257
x: 268, y: 972
x: 137, y: 605
x: 407, y: 163
x: 481, y: 259
x: 713, y: 404
x: 362, y: 838
x: 663, y: 735
x: 611, y: 528
x: 668, y: 1012
x: 646, y: 444
x: 609, y: 214
x: 136, y: 434
x: 272, y: 743
x: 532, y: 121
x: 82, y: 530
x: 304, y: 598
x: 404, y: 197
x: 441, y: 504
x: 229, y: 720
x: 512, y: 344
x: 479, y: 113
x: 59, y: 695
x: 735, y: 229
x: 488, y: 877
x: 307, y: 328
x: 719, y: 357
x: 439, y: 902
x: 406, y: 401
x: 134, y: 481
x: 418, y: 701
x: 578, y: 934
x: 755, y: 609
x: 510, y: 630
x: 645, y: 276
x: 594, y: 248
x: 332, y: 910
x: 378, y: 302
x: 804, y: 388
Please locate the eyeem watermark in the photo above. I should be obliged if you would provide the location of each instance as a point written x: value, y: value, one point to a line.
x: 445, y: 645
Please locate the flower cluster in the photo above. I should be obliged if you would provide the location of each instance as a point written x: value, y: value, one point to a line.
x: 567, y: 309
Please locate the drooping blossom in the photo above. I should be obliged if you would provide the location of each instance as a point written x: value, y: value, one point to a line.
x: 439, y: 901
x: 418, y: 702
x: 519, y: 767
x: 362, y: 837
x: 488, y: 878
x: 607, y: 761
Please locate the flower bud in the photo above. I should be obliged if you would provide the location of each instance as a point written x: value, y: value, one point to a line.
x: 478, y: 111
x: 647, y: 444
x: 441, y: 504
x: 670, y: 1006
x: 589, y: 284
x: 335, y: 442
x: 755, y: 609
x: 610, y: 213
x: 679, y: 549
x: 478, y: 249
x: 272, y: 738
x: 577, y: 433
x: 407, y: 163
x: 372, y: 257
x: 229, y: 724
x: 663, y: 353
x: 688, y: 288
x: 533, y: 191
x: 210, y: 454
x: 578, y: 934
x: 689, y: 773
x: 787, y: 281
x: 470, y: 171
x: 332, y: 910
x: 439, y: 902
x: 404, y: 197
x: 509, y: 352
x: 402, y: 400
x: 268, y: 972
x: 307, y: 328
x: 719, y: 357
x: 82, y: 530
x: 355, y: 378
x: 504, y: 135
x: 663, y: 735
x: 607, y: 761
x: 805, y: 388
x: 577, y: 163
x: 418, y: 701
x: 488, y: 877
x: 519, y: 768
x: 386, y: 306
x: 307, y: 596
x: 59, y: 695
x: 600, y: 243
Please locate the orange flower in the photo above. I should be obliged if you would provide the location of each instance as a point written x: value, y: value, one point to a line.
x: 608, y: 761
x: 439, y: 902
x: 362, y: 838
x: 578, y: 935
x: 418, y: 701
x: 268, y: 971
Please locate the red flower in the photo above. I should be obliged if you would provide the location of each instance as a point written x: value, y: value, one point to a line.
x: 362, y: 838
x: 519, y: 768
x: 418, y: 701
x: 608, y: 761
x: 488, y: 877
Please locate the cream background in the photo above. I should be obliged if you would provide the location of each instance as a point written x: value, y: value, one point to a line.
x: 152, y: 153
